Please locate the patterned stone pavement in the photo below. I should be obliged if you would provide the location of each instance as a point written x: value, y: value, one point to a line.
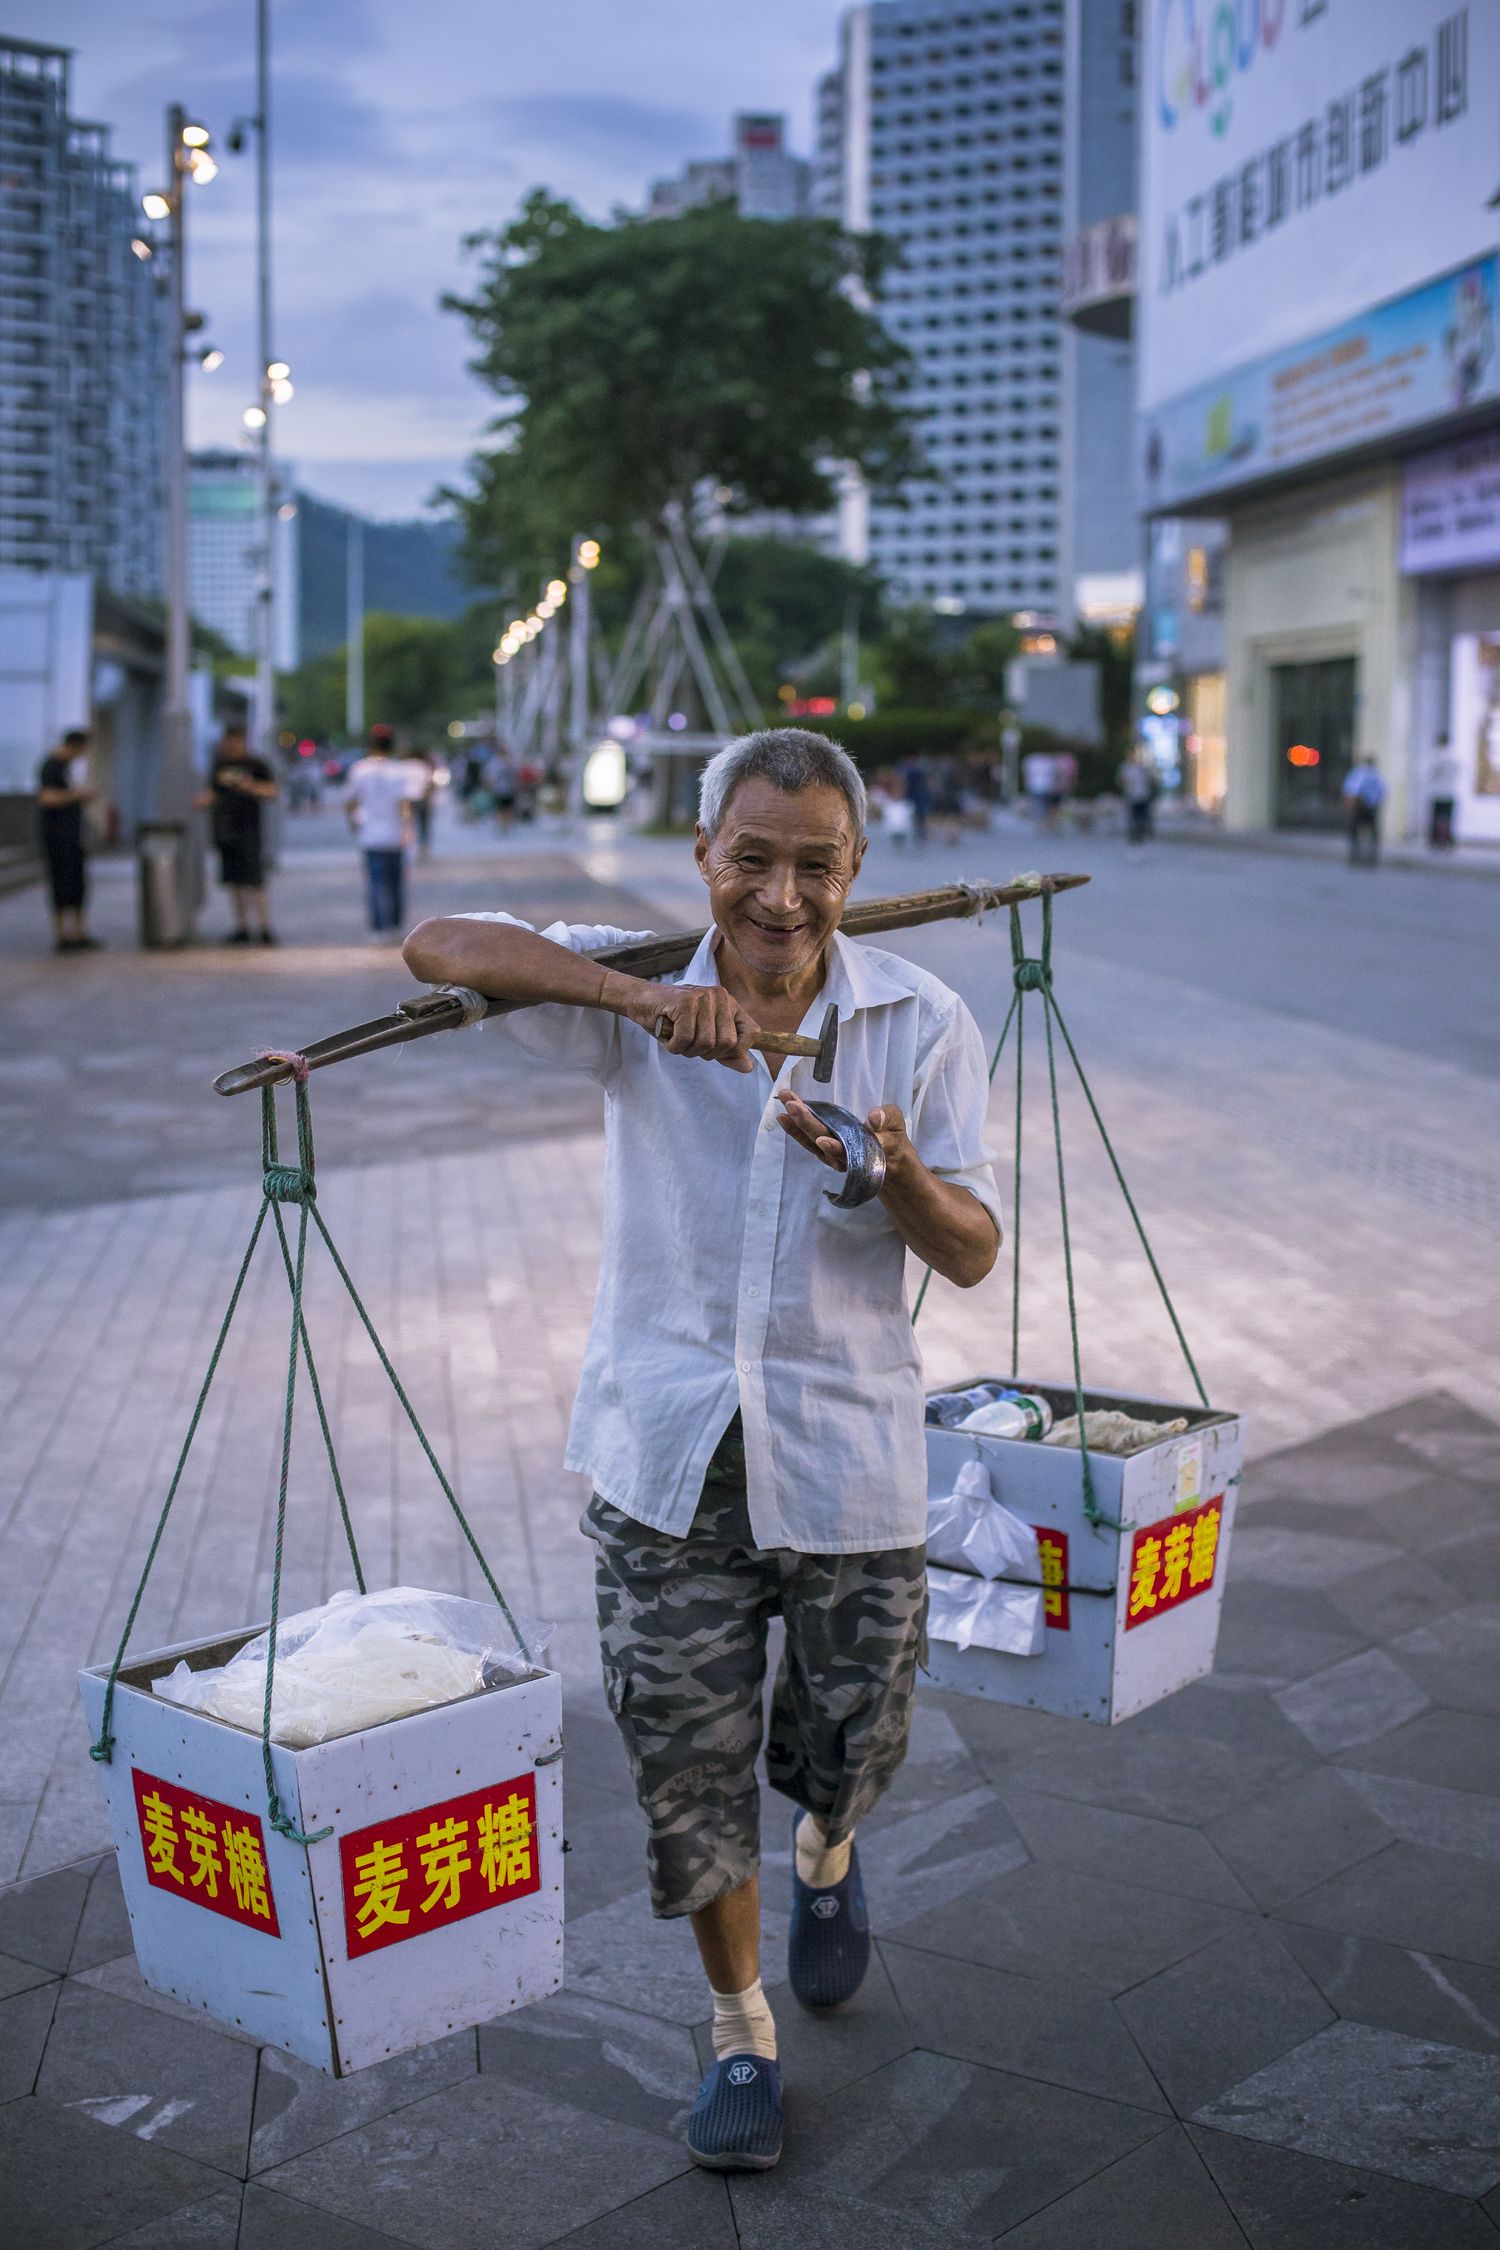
x: 1228, y: 1973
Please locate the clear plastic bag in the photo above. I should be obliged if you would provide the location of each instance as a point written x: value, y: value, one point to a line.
x: 985, y: 1613
x: 359, y: 1659
x: 969, y: 1529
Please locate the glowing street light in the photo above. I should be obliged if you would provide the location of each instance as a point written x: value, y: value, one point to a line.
x: 202, y: 166
x: 195, y: 136
x: 278, y: 371
x: 254, y: 417
x: 142, y: 248
x: 211, y: 360
x: 282, y: 392
x: 156, y: 205
x: 588, y: 553
x: 557, y: 591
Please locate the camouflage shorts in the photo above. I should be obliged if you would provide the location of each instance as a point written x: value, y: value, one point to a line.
x: 682, y: 1631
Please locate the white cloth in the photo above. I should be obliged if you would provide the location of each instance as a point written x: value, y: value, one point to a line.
x: 726, y: 1280
x: 378, y: 787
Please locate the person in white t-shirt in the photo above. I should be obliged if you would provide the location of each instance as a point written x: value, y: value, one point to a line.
x: 378, y: 802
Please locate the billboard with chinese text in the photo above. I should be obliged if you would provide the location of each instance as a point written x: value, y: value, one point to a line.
x: 1304, y: 161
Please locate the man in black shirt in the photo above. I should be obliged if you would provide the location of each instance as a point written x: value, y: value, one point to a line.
x: 60, y: 826
x: 239, y: 787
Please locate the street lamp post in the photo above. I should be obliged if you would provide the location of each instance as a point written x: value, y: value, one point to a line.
x: 187, y: 159
x: 176, y: 794
x: 264, y: 732
x: 354, y: 629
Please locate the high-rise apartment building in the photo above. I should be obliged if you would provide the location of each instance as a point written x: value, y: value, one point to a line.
x: 943, y: 128
x: 1102, y: 537
x: 224, y: 575
x: 761, y: 177
x: 83, y: 342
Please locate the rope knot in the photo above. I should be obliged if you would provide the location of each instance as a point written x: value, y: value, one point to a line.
x: 1032, y: 976
x: 289, y: 1183
x: 295, y: 1062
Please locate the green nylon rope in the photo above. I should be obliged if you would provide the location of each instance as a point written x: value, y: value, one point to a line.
x: 1034, y: 974
x: 295, y: 1184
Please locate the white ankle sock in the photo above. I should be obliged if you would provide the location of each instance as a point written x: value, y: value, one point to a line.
x: 743, y: 2023
x: 819, y: 1865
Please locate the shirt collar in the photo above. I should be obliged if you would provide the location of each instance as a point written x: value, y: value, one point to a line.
x: 854, y: 979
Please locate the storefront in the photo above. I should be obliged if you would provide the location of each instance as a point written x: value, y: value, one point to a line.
x: 1450, y: 548
x: 1319, y: 305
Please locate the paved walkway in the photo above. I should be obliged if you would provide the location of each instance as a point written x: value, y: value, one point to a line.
x: 1228, y: 1973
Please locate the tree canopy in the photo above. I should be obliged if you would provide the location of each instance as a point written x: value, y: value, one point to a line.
x: 637, y: 362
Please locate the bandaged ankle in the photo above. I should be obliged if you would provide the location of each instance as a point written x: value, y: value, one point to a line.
x: 743, y: 2023
x: 820, y: 1865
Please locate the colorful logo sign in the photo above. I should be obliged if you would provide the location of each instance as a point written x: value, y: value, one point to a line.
x: 416, y: 1871
x: 1171, y: 1561
x: 211, y: 1854
x: 1204, y: 46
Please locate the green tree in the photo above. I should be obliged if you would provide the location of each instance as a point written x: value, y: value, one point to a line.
x: 637, y: 362
x: 415, y: 672
x: 911, y: 670
x: 786, y: 605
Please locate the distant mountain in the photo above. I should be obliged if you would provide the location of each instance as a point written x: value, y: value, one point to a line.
x: 410, y: 569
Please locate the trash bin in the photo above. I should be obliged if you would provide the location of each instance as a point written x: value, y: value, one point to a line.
x: 164, y: 917
x: 431, y: 1897
x: 1131, y: 1613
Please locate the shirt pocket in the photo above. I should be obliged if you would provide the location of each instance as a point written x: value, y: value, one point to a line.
x: 865, y: 1222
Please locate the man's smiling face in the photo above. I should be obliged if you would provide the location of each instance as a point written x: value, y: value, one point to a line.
x: 778, y: 872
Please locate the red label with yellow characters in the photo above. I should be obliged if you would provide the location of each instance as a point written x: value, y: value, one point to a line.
x: 418, y: 1870
x: 1053, y: 1548
x: 210, y: 1853
x: 1172, y: 1560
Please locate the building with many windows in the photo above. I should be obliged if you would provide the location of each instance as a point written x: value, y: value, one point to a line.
x: 942, y: 127
x: 224, y: 575
x: 84, y: 342
x: 761, y: 177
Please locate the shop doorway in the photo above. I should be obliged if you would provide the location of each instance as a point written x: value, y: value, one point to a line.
x: 1313, y: 716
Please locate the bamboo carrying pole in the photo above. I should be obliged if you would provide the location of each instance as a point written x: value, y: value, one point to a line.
x: 648, y: 957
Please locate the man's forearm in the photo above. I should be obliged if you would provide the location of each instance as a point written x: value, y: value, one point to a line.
x: 947, y: 1227
x: 505, y: 962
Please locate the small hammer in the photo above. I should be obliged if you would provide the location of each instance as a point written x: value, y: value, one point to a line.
x: 823, y: 1048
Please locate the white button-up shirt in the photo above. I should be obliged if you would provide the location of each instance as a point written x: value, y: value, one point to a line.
x: 728, y: 1280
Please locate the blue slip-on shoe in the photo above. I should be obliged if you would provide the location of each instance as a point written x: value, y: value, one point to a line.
x: 735, y: 2124
x: 828, y: 1950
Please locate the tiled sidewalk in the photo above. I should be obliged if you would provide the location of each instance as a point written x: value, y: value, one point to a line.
x: 1227, y: 1974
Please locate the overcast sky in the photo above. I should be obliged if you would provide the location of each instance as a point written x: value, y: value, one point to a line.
x: 399, y: 126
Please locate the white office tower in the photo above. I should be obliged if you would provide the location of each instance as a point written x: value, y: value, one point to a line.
x: 224, y: 573
x: 761, y: 178
x: 942, y: 127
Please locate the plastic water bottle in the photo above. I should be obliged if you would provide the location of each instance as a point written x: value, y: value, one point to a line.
x: 946, y: 1409
x: 1013, y: 1414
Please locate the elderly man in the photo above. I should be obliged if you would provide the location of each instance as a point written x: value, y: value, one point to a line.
x: 750, y: 1410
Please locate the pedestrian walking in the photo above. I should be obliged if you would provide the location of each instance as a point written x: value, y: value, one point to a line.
x: 1363, y: 795
x: 378, y: 803
x: 240, y: 787
x: 1442, y: 797
x: 502, y: 780
x: 751, y: 1404
x: 62, y: 792
x: 424, y: 793
x: 1038, y: 780
x: 1139, y: 788
x: 918, y: 794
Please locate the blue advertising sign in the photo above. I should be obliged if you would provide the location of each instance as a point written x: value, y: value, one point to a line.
x: 1430, y: 353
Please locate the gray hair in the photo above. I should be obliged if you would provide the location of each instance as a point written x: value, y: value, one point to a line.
x: 792, y: 758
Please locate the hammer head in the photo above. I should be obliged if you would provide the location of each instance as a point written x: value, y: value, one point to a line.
x: 828, y: 1045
